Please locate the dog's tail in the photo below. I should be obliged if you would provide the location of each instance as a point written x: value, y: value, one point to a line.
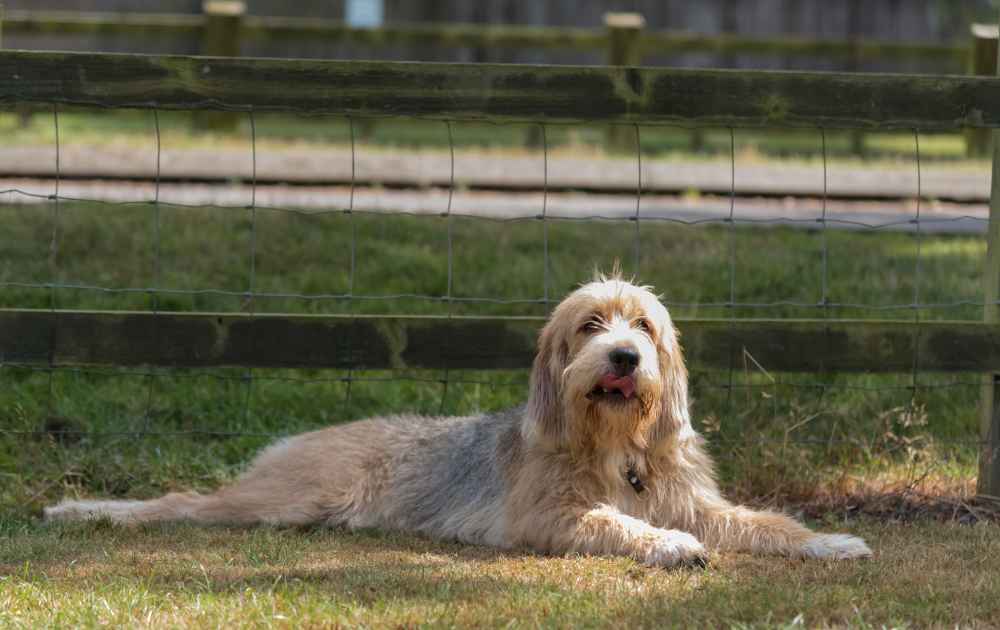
x: 293, y: 482
x: 177, y: 506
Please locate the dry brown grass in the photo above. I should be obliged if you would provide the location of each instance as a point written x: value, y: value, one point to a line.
x: 923, y: 574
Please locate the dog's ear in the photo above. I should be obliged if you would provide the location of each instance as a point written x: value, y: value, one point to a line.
x: 545, y: 420
x: 675, y: 413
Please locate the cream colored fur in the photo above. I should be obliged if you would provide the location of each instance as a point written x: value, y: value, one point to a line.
x: 549, y: 476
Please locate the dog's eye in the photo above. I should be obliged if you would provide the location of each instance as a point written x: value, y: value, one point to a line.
x: 591, y: 326
x: 643, y: 324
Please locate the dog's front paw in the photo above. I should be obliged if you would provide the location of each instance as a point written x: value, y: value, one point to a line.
x: 835, y: 547
x: 675, y: 548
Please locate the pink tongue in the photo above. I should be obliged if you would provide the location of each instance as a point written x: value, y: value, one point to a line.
x: 625, y: 384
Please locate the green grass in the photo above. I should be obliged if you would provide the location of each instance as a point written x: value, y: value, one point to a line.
x: 870, y: 427
x: 209, y: 248
x: 179, y: 129
x: 205, y: 249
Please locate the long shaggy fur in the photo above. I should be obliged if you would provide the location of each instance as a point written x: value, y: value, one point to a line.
x: 550, y: 475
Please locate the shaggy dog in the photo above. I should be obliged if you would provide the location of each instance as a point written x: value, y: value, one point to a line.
x: 602, y: 459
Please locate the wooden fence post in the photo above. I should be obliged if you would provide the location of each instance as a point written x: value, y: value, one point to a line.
x: 23, y: 111
x: 983, y: 63
x: 624, y: 49
x: 855, y: 20
x: 858, y: 145
x: 221, y: 38
x: 989, y: 427
x: 989, y: 432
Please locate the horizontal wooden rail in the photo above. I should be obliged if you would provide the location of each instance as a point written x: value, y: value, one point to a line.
x: 504, y: 93
x: 659, y: 42
x: 390, y: 342
x: 458, y: 35
x: 101, y: 23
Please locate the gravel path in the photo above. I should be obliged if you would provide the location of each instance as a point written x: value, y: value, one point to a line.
x: 803, y: 212
x: 508, y: 170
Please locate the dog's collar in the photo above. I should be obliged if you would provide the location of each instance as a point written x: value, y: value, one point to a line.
x: 633, y: 479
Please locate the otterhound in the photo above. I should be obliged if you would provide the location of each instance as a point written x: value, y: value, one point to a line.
x: 601, y: 459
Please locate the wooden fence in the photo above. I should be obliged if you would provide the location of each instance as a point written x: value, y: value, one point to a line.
x: 224, y: 27
x: 475, y: 343
x: 253, y: 28
x: 505, y: 93
x: 509, y: 93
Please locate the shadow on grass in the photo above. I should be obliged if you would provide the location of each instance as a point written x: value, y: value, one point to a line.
x: 918, y: 572
x: 243, y: 556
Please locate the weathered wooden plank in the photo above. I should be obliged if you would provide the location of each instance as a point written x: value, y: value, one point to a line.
x: 205, y: 339
x: 264, y: 28
x: 504, y: 92
x: 104, y: 23
x: 221, y: 38
x: 380, y: 342
x: 439, y: 34
x: 624, y: 49
x: 842, y: 345
x: 983, y: 63
x: 675, y: 41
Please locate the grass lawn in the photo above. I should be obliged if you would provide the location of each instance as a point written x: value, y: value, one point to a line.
x: 180, y: 130
x: 923, y: 574
x: 779, y: 438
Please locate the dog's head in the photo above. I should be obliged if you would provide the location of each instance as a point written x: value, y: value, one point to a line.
x: 609, y: 371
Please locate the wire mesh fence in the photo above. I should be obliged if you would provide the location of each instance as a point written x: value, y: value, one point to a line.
x: 165, y: 256
x: 251, y: 294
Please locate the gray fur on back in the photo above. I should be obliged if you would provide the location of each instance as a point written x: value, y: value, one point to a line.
x: 448, y: 477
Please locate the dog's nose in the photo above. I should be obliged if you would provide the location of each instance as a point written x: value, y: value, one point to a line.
x: 624, y: 360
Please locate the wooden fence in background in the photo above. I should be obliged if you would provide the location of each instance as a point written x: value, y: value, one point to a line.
x: 509, y: 93
x: 452, y: 35
x: 224, y: 27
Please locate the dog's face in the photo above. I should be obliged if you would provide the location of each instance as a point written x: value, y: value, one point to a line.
x: 609, y: 370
